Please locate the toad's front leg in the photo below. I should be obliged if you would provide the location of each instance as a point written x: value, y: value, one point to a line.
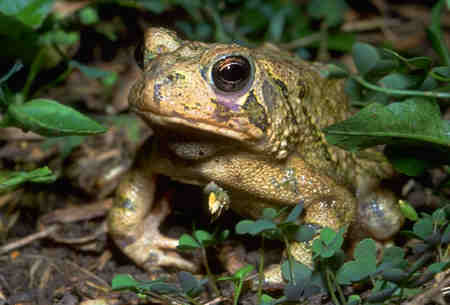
x: 134, y: 224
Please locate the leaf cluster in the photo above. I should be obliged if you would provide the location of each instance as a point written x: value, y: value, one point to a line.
x: 27, y: 22
x: 393, y: 277
x: 270, y: 225
x: 189, y: 287
x: 401, y: 98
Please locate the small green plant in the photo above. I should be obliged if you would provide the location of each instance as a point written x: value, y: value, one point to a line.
x: 201, y: 240
x: 43, y: 116
x: 238, y: 279
x: 285, y: 230
x: 190, y: 286
x: 159, y: 289
x: 394, y: 278
x: 37, y: 41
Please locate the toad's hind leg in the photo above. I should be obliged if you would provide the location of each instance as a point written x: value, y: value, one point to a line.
x: 134, y: 222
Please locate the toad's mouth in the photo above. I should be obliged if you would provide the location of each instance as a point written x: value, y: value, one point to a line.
x: 189, y: 140
x: 174, y: 127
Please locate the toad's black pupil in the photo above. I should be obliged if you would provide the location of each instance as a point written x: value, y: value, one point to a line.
x: 231, y: 73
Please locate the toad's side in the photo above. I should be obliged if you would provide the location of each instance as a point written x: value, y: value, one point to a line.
x: 249, y: 120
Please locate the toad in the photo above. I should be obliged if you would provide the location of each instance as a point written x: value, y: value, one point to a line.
x: 250, y: 121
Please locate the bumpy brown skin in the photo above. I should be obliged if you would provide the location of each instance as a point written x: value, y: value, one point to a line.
x: 263, y: 144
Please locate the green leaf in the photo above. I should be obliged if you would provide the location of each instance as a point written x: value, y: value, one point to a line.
x: 412, y: 165
x: 363, y: 265
x: 244, y: 226
x: 267, y: 300
x: 435, y: 33
x: 366, y: 252
x: 269, y: 213
x: 204, y: 237
x: 365, y: 57
x: 89, y: 15
x: 393, y: 257
x: 328, y: 236
x: 242, y: 272
x: 189, y: 283
x: 60, y: 38
x: 29, y: 12
x: 157, y: 286
x: 439, y: 217
x: 395, y: 275
x: 438, y: 267
x: 446, y: 235
x: 397, y: 80
x: 50, y: 118
x: 422, y: 63
x: 408, y: 210
x: 262, y: 225
x: 354, y: 300
x: 254, y: 227
x: 423, y: 228
x: 276, y: 25
x: 416, y: 121
x: 90, y: 72
x: 156, y: 7
x: 187, y: 242
x: 331, y: 10
x: 123, y: 281
x: 441, y: 73
x: 126, y: 282
x: 295, y: 213
x: 328, y: 243
x: 300, y: 271
x: 333, y: 71
x: 341, y: 41
x: 382, y: 295
x: 40, y: 175
x: 305, y: 233
x: 293, y: 292
x: 222, y: 236
x: 348, y: 273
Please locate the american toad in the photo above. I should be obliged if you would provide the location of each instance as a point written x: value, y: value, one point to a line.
x: 249, y: 120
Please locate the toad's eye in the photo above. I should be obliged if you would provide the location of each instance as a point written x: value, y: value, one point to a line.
x: 232, y: 73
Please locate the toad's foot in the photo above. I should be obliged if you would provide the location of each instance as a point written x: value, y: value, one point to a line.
x: 134, y: 224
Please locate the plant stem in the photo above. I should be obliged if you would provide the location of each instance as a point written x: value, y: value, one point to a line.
x: 261, y: 270
x: 237, y: 292
x: 330, y: 287
x: 366, y: 84
x: 54, y: 82
x: 290, y: 259
x: 338, y: 287
x: 212, y: 281
x: 34, y: 69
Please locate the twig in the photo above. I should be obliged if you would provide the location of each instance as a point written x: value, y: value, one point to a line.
x: 30, y: 238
